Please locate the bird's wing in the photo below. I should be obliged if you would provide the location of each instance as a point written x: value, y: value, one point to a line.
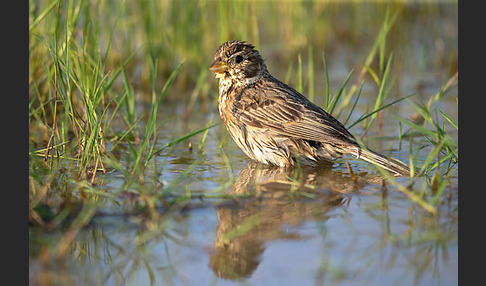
x: 288, y: 113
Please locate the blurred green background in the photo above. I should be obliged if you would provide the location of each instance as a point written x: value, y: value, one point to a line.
x: 172, y: 32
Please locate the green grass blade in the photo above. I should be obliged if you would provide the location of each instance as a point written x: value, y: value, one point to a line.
x: 177, y: 140
x: 354, y: 105
x: 338, y: 96
x: 43, y: 15
x: 363, y: 117
x: 326, y: 78
x: 449, y: 119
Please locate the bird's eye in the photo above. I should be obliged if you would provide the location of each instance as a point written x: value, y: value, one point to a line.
x: 238, y: 59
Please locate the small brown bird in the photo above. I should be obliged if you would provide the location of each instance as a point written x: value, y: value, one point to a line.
x: 275, y: 124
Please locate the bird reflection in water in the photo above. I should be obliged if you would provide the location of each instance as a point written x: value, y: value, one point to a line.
x: 277, y: 204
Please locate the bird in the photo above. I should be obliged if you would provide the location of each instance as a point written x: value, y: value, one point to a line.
x: 274, y: 124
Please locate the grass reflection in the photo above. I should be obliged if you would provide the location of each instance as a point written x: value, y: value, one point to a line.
x: 357, y: 232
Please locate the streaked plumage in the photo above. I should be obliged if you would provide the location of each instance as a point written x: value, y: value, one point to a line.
x: 273, y: 123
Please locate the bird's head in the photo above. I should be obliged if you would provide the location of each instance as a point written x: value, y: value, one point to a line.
x: 238, y: 61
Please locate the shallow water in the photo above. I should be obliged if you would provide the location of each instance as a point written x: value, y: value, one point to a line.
x: 330, y: 229
x: 327, y: 241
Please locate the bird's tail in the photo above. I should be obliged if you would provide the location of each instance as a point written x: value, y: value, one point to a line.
x: 393, y: 165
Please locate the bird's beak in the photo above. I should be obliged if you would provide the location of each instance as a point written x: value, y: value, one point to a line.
x: 218, y: 66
